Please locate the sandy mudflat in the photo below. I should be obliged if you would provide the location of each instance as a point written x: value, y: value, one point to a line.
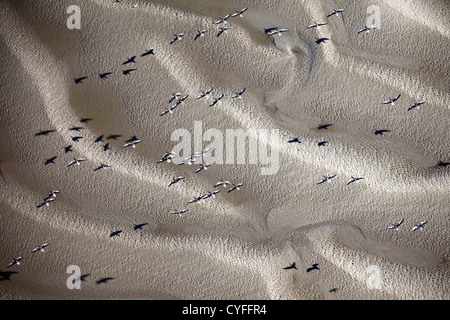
x: 236, y: 244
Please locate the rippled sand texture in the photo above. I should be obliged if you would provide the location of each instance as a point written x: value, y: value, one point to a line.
x: 233, y: 246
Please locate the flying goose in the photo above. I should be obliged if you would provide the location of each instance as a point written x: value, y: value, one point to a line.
x: 77, y: 161
x: 101, y: 166
x: 216, y: 100
x: 316, y: 25
x: 132, y: 143
x: 419, y: 226
x: 202, y: 166
x: 52, y: 194
x: 366, y: 29
x: 222, y: 183
x: 416, y: 105
x: 354, y: 179
x: 210, y: 194
x: 168, y: 156
x: 239, y: 13
x: 235, y: 187
x: 180, y: 213
x: 175, y: 180
x: 224, y: 19
x: 40, y: 247
x: 15, y: 261
x: 396, y: 225
x: 336, y: 12
x: 326, y: 178
x: 45, y: 202
x: 174, y: 95
x: 204, y: 93
x: 222, y: 30
x: 177, y: 37
x: 200, y: 33
x: 166, y: 110
x: 277, y: 31
x: 238, y: 94
x: 391, y: 100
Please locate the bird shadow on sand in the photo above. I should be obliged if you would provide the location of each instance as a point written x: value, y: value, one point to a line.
x: 267, y: 30
x: 104, y: 280
x: 321, y: 40
x: 6, y: 275
x: 315, y: 266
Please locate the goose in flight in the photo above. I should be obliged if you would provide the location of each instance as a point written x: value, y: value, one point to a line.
x: 204, y: 93
x: 40, y: 247
x: 132, y: 143
x: 222, y: 30
x: 391, y: 101
x: 200, y: 33
x: 168, y: 156
x: 354, y: 179
x: 419, y: 226
x: 45, y: 202
x: 238, y: 94
x: 77, y: 161
x: 336, y: 12
x: 101, y: 166
x: 174, y: 96
x: 175, y: 180
x: 210, y: 194
x: 189, y: 160
x: 202, y: 166
x: 396, y: 225
x: 15, y: 261
x: 366, y: 29
x: 235, y: 187
x: 166, y: 110
x: 277, y: 31
x: 216, y: 100
x: 52, y: 194
x: 239, y: 13
x: 316, y: 25
x: 222, y: 20
x: 222, y: 183
x: 326, y: 178
x: 196, y: 199
x: 177, y: 37
x: 180, y: 213
x: 416, y: 105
